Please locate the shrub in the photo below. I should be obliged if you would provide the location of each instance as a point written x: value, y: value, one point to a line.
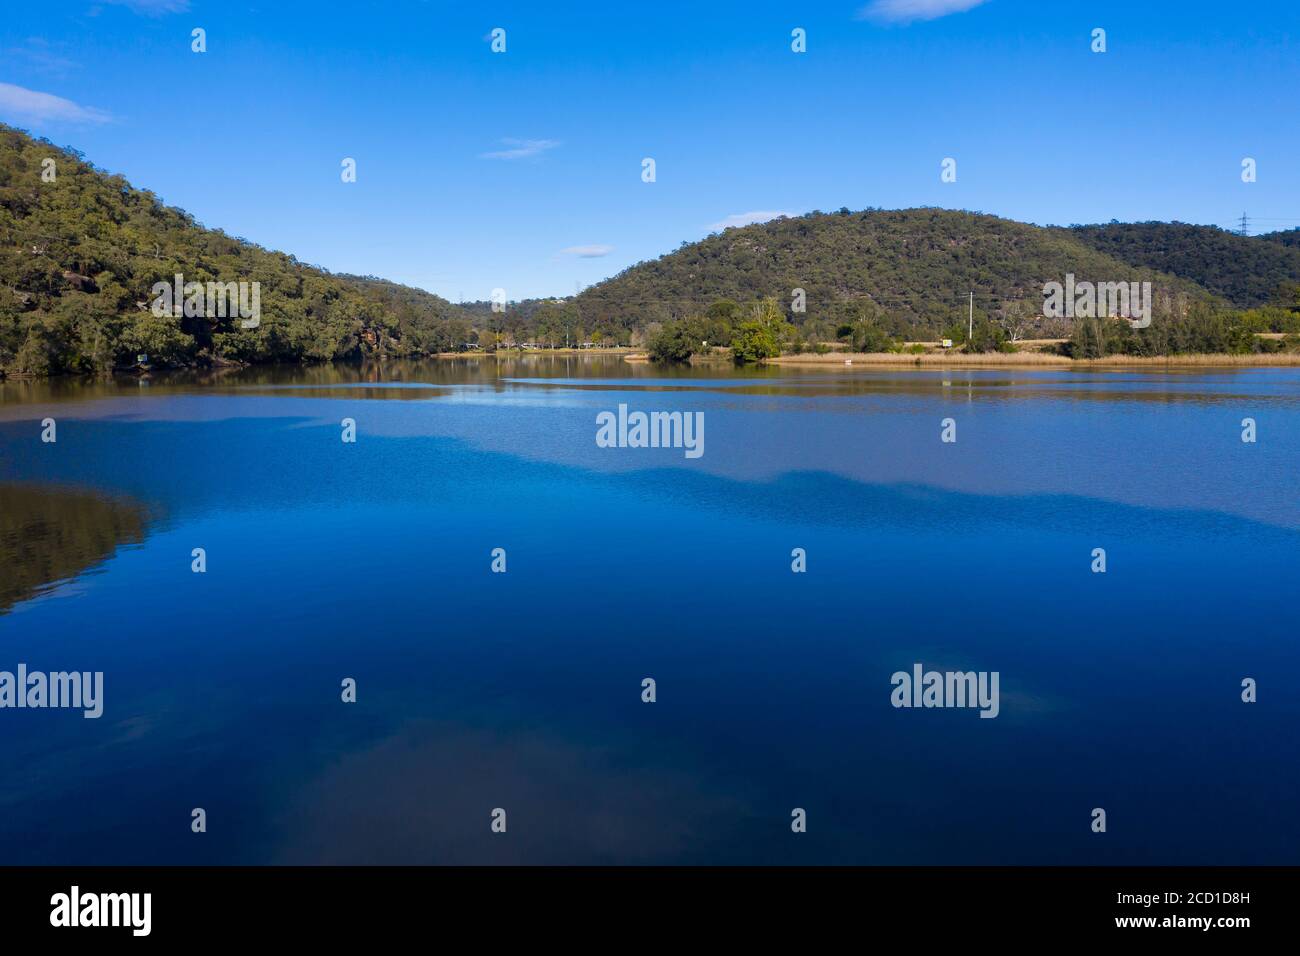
x: 674, y: 342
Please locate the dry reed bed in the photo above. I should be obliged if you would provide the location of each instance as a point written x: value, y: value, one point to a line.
x: 1040, y: 359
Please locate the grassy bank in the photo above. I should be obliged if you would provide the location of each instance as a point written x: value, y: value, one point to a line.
x: 1036, y: 360
x: 515, y: 353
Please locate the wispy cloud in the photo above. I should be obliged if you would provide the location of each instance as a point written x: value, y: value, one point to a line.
x: 587, y: 252
x: 41, y: 57
x: 521, y: 148
x: 152, y: 8
x: 905, y: 11
x: 748, y: 218
x: 24, y: 105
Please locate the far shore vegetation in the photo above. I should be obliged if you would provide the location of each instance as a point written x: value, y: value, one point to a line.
x: 81, y: 252
x: 1192, y: 330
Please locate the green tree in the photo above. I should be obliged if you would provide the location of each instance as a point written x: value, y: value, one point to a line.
x: 988, y: 336
x: 753, y: 342
x: 865, y: 333
x: 674, y: 341
x: 763, y: 335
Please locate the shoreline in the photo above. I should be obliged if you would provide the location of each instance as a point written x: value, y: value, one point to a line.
x: 831, y: 360
x: 1036, y: 360
x: 514, y: 353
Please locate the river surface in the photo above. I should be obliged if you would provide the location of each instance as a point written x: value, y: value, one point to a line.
x: 372, y: 560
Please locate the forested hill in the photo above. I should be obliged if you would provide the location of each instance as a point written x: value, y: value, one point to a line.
x: 1290, y: 237
x: 79, y: 256
x: 1246, y: 270
x: 81, y: 251
x: 915, y: 264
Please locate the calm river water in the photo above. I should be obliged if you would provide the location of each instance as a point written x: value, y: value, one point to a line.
x: 372, y: 560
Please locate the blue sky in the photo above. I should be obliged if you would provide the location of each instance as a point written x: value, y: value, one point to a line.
x: 522, y: 170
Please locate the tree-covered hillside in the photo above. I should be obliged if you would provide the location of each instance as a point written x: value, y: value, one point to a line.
x: 1247, y: 271
x: 1289, y: 237
x: 914, y: 266
x: 80, y: 251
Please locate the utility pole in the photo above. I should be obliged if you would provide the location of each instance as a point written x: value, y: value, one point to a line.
x: 970, y: 333
x: 1245, y: 226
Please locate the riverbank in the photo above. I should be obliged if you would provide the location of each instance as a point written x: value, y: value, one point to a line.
x: 722, y: 357
x: 226, y: 365
x: 1036, y: 360
x: 515, y: 353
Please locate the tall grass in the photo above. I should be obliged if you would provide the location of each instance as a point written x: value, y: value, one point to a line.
x: 926, y: 358
x: 1253, y: 358
x: 1276, y: 359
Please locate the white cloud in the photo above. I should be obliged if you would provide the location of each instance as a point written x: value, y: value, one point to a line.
x: 521, y: 148
x: 153, y: 8
x: 905, y: 11
x: 747, y: 219
x: 587, y: 252
x: 24, y: 105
